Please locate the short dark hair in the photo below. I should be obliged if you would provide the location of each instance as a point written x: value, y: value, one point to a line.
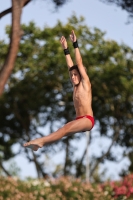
x: 74, y: 67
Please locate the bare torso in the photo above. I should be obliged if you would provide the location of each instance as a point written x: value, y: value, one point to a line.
x: 82, y: 98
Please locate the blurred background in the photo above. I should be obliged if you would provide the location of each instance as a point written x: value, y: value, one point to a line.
x: 37, y: 94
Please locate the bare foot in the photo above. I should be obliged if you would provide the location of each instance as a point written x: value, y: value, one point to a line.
x: 34, y: 144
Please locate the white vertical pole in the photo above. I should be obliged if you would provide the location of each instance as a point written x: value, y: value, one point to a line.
x: 87, y: 156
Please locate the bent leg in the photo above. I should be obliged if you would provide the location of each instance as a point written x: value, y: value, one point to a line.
x: 72, y: 127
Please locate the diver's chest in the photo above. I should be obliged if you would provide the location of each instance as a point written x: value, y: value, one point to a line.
x: 78, y: 93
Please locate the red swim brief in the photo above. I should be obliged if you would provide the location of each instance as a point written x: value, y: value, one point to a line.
x: 89, y: 117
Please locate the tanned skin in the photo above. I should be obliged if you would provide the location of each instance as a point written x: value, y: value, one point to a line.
x: 82, y: 98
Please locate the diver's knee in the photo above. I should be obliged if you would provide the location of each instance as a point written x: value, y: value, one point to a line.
x: 67, y: 127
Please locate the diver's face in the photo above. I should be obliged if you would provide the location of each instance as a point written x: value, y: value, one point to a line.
x: 75, y: 77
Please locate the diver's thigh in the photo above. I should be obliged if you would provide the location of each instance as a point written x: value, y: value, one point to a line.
x: 79, y: 125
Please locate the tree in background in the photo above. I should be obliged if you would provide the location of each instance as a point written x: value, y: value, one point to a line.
x: 16, y: 33
x: 39, y: 95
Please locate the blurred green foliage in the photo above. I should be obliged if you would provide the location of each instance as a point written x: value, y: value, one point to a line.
x: 65, y: 188
x: 38, y: 95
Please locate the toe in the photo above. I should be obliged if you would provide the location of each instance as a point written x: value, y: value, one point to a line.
x: 26, y: 144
